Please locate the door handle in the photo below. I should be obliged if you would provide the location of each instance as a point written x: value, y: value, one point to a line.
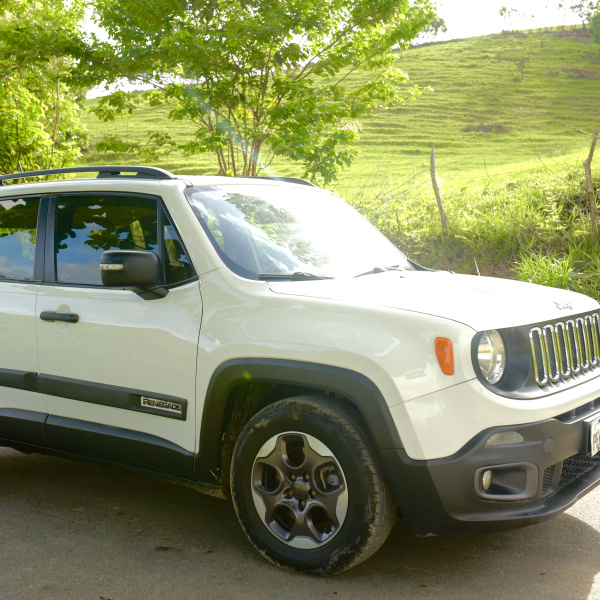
x: 56, y: 316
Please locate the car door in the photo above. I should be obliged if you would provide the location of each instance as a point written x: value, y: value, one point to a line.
x: 22, y: 409
x: 118, y: 372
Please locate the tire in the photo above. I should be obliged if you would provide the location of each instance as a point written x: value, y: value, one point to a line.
x: 308, y: 489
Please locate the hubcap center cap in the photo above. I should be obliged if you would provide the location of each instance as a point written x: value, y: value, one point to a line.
x: 300, y: 489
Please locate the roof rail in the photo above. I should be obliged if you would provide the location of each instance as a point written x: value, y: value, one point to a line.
x: 103, y: 171
x: 287, y: 179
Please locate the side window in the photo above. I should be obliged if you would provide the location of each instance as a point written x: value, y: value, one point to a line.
x: 86, y: 226
x: 177, y: 265
x: 18, y: 222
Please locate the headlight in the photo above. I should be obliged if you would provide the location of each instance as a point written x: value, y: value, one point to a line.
x: 492, y: 356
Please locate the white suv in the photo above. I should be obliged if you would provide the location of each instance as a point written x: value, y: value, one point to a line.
x: 258, y: 338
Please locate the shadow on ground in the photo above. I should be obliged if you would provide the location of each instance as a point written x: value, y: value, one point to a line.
x: 77, y: 531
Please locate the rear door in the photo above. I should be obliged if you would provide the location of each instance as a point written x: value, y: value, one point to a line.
x: 22, y: 409
x: 118, y: 375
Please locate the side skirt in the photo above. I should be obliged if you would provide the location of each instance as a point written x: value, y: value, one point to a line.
x: 120, y: 446
x: 211, y: 490
x: 95, y: 441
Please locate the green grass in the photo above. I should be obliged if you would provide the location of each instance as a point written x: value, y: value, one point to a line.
x: 511, y: 175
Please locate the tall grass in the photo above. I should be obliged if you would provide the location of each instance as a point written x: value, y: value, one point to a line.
x: 535, y: 227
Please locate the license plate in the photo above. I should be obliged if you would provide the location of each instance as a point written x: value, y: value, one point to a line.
x: 595, y: 436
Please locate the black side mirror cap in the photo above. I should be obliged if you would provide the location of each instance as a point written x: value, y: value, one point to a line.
x: 135, y: 270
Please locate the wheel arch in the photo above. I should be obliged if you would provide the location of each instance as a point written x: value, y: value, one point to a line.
x: 239, y: 388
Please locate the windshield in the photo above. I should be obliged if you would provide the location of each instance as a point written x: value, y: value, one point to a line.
x: 264, y: 230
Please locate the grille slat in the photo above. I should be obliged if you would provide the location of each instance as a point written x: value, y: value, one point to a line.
x: 566, y: 348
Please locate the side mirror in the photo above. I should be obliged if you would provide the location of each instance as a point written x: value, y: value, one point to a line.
x: 135, y: 270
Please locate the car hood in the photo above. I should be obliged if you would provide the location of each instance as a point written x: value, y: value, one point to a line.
x: 479, y: 302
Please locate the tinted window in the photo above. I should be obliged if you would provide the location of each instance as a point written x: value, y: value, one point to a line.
x: 178, y: 267
x: 87, y: 226
x: 18, y: 221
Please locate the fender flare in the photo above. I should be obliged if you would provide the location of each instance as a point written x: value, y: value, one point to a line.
x: 358, y: 389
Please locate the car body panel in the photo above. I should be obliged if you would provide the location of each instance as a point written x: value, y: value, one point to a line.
x: 128, y: 342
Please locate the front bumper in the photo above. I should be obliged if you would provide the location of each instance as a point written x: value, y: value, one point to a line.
x: 533, y: 480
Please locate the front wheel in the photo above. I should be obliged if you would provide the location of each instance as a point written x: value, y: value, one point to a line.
x: 308, y: 489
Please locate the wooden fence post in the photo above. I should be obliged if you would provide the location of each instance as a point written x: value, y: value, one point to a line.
x: 436, y: 191
x: 590, y: 189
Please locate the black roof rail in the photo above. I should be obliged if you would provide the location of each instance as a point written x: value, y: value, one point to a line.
x: 103, y: 171
x: 287, y: 180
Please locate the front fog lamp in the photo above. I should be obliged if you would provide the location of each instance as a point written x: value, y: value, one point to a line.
x: 491, y: 355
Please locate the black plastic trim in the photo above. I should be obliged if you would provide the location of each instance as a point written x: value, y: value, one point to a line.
x: 359, y: 390
x: 119, y: 446
x: 285, y: 180
x: 40, y: 239
x: 20, y: 380
x: 103, y: 171
x: 108, y: 395
x: 438, y: 496
x: 23, y: 426
x: 51, y: 316
x: 164, y: 218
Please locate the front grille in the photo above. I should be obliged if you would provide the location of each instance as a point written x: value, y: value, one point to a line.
x: 548, y: 477
x: 576, y: 466
x: 566, y: 348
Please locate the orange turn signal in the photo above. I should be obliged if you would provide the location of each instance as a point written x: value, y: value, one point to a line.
x: 443, y: 351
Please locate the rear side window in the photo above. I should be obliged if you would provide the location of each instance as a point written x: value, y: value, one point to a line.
x: 86, y: 226
x: 18, y: 222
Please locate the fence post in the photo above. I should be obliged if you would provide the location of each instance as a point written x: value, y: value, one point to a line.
x: 587, y: 164
x: 436, y: 191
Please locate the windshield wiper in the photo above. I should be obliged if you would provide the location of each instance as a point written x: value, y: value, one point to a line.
x: 296, y: 276
x: 381, y: 270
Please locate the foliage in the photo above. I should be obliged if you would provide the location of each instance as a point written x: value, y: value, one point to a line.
x: 259, y: 79
x: 39, y: 125
x: 584, y: 9
x: 436, y: 26
x: 517, y: 52
x: 594, y: 28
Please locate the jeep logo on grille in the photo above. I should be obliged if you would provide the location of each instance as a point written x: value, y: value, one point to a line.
x: 166, y: 405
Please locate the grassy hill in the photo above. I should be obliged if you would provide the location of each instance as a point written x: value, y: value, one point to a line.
x: 481, y: 116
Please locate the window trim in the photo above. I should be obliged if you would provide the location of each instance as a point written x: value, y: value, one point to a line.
x: 49, y: 258
x: 164, y: 219
x: 40, y: 239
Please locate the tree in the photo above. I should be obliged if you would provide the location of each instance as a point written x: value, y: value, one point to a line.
x: 585, y: 10
x: 258, y: 78
x: 39, y: 125
x: 594, y: 28
x: 517, y: 52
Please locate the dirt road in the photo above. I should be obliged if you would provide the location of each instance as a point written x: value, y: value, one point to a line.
x: 74, y: 531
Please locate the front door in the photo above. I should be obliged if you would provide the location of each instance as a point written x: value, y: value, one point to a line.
x: 118, y: 374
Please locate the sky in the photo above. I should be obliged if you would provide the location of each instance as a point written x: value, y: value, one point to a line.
x: 468, y: 18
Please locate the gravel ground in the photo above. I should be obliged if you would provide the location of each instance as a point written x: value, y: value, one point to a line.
x: 77, y: 531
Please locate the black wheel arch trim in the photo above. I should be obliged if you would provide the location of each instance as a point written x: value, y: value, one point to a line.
x: 364, y: 395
